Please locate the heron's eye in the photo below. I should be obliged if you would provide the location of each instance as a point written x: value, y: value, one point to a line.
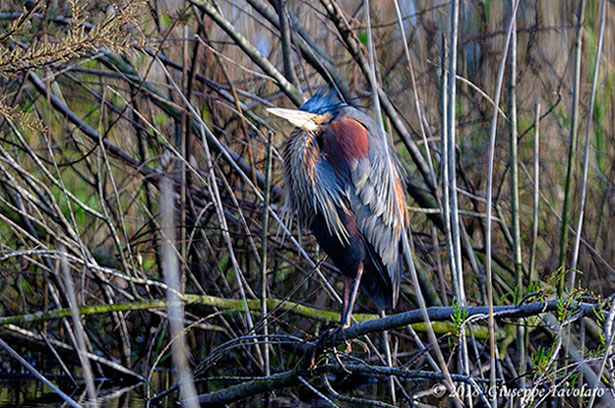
x: 322, y: 119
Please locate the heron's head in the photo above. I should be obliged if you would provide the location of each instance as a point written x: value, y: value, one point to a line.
x: 319, y: 110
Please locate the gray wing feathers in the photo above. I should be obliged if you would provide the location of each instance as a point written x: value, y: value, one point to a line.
x: 373, y: 199
x: 329, y: 197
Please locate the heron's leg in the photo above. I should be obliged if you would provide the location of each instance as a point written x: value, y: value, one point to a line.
x: 350, y: 295
x: 347, y: 290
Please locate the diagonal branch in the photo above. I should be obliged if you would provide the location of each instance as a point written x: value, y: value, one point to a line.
x: 289, y: 89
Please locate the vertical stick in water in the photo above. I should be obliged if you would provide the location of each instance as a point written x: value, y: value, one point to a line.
x: 79, y: 332
x: 175, y: 309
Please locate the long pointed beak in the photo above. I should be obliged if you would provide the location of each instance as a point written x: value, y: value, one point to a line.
x: 302, y: 119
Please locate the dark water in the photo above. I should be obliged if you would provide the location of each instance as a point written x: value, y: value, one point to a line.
x: 32, y: 394
x: 29, y: 393
x: 23, y: 391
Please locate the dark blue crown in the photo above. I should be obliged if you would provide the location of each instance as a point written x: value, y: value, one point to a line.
x: 325, y: 100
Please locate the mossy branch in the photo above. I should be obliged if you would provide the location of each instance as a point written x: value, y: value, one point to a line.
x: 366, y: 323
x: 228, y: 305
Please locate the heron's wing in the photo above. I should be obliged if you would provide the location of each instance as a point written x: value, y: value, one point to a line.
x: 372, y: 179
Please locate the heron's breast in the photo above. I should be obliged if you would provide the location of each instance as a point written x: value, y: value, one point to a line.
x: 312, y: 185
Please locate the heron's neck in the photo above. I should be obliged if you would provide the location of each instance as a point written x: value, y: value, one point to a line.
x: 300, y: 161
x: 303, y: 151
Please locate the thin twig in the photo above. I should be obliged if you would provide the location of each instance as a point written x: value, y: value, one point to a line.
x: 590, y: 116
x: 576, y: 90
x: 514, y: 187
x: 490, y: 161
x: 289, y: 89
x: 264, y: 240
x: 536, y: 196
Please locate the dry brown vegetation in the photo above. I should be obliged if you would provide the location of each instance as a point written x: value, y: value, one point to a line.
x: 105, y: 104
